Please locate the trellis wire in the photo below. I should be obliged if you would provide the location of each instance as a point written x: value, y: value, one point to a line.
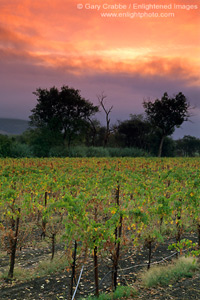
x: 135, y: 266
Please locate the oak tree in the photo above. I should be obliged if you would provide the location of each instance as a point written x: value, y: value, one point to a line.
x: 167, y: 113
x: 63, y: 112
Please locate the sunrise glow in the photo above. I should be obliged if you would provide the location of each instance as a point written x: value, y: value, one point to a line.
x: 75, y: 40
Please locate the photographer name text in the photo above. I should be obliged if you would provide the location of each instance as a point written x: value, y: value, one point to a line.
x: 136, y: 6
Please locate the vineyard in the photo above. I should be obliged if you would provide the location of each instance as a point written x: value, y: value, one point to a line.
x: 98, y: 210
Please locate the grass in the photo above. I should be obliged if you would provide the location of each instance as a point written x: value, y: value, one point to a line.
x: 157, y: 276
x: 121, y: 292
x: 3, y: 254
x: 49, y: 267
x: 43, y: 268
x: 164, y: 275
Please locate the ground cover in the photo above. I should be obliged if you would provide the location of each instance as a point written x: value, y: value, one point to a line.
x: 56, y: 285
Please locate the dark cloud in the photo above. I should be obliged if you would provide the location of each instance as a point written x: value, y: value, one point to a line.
x: 22, y: 73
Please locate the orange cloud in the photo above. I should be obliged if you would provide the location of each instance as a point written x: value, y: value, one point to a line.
x: 54, y: 33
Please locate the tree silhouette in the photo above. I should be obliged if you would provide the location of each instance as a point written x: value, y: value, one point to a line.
x: 167, y: 113
x: 62, y: 112
x: 101, y: 99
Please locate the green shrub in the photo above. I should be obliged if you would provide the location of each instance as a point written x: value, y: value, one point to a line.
x: 82, y: 151
x: 164, y: 275
x: 5, y: 146
x: 21, y: 150
x: 97, y: 152
x: 77, y: 151
x: 121, y: 292
x: 43, y: 149
x: 58, y: 151
x: 101, y: 297
x: 126, y: 152
x: 124, y: 292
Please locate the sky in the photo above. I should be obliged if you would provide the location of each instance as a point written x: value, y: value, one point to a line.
x: 129, y: 50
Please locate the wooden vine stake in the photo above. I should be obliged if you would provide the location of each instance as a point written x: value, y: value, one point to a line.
x: 198, y: 232
x: 149, y: 254
x: 43, y: 234
x: 53, y: 245
x: 118, y: 233
x: 96, y: 271
x: 13, y: 243
x: 178, y: 225
x: 73, y: 270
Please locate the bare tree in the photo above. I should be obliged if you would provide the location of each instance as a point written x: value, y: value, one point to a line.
x: 93, y: 130
x: 101, y: 99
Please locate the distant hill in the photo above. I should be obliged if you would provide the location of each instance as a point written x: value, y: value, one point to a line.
x: 13, y: 126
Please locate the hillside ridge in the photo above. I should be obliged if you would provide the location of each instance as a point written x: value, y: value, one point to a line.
x: 9, y: 126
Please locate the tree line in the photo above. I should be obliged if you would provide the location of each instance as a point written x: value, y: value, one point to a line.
x: 63, y: 119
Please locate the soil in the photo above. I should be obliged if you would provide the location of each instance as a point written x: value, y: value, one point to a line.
x: 56, y: 286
